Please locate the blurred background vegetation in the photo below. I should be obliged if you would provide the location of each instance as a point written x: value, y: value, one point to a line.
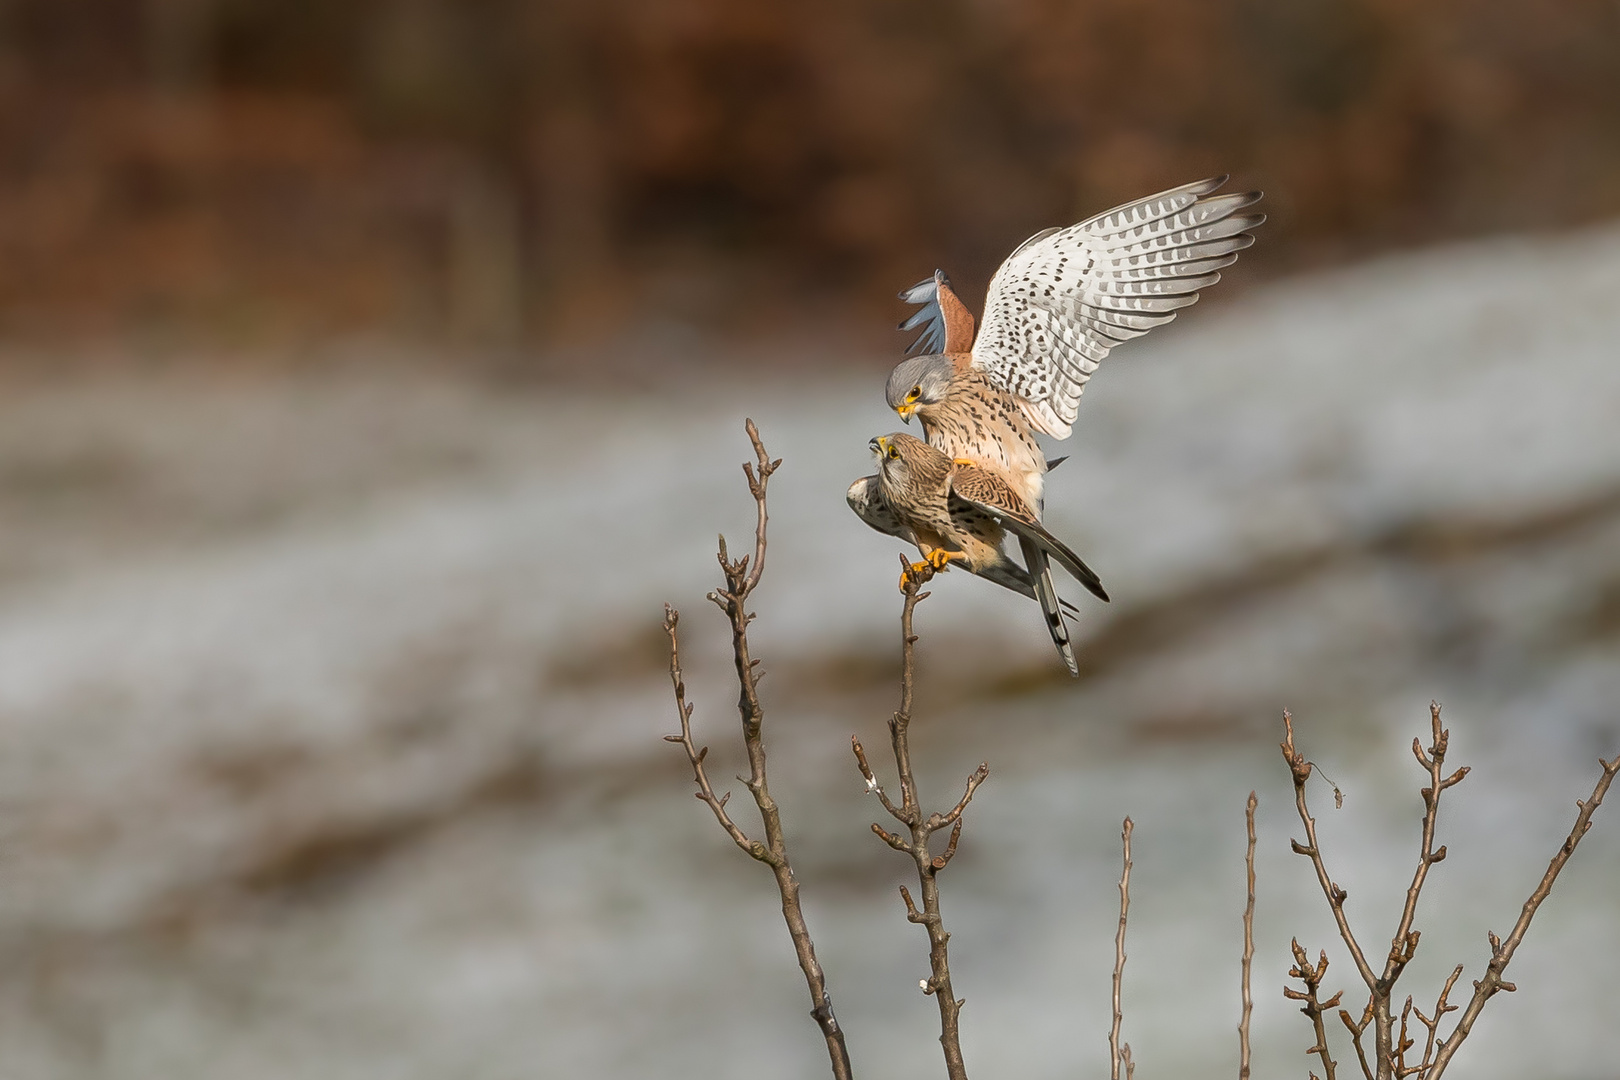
x: 525, y: 173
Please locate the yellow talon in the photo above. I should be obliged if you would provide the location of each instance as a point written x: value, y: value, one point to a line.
x: 940, y: 559
x: 964, y: 461
x: 917, y: 571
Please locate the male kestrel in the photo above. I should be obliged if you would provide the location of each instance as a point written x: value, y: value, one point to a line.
x: 956, y: 511
x: 1053, y: 311
x: 1056, y: 307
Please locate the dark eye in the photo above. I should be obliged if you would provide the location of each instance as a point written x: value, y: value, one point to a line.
x: 916, y: 392
x: 893, y: 453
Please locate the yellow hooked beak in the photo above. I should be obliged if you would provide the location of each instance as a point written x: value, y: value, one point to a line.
x: 880, y: 445
x: 906, y: 410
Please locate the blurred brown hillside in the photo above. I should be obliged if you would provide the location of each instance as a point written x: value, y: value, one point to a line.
x: 511, y: 170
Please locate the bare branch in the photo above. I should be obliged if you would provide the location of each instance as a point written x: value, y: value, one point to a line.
x: 741, y: 577
x: 872, y: 784
x: 889, y: 838
x: 672, y: 619
x: 922, y: 827
x: 950, y: 848
x: 1433, y: 1023
x: 1403, y: 1043
x: 1404, y: 944
x: 756, y: 488
x: 1314, y: 1007
x: 1355, y: 1036
x: 1389, y: 1060
x: 1116, y: 1057
x: 1502, y: 951
x: 977, y: 777
x: 1301, y: 770
x: 1248, y: 945
x: 912, y: 914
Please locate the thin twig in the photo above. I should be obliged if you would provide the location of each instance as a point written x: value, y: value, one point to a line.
x: 1421, y: 1069
x: 696, y: 755
x: 921, y: 828
x: 872, y: 784
x: 1403, y: 1043
x: 1355, y: 1036
x: 740, y: 580
x: 1403, y: 946
x: 1502, y: 951
x: 1115, y: 1054
x: 975, y: 778
x: 1301, y: 770
x: 1314, y: 1007
x: 1248, y: 944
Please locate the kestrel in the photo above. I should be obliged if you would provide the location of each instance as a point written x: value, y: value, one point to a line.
x: 957, y: 512
x: 866, y: 499
x: 1053, y: 311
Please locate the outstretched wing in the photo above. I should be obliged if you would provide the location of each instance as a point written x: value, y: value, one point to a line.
x: 1067, y: 296
x: 947, y: 324
x: 988, y: 493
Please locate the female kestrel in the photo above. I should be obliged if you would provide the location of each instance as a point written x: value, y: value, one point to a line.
x: 956, y: 511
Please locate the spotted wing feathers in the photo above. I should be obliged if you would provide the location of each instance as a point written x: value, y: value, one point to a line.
x: 1066, y: 297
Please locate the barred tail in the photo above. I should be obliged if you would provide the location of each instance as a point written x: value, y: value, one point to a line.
x: 1046, y: 592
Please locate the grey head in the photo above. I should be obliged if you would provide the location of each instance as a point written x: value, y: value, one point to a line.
x: 921, y: 380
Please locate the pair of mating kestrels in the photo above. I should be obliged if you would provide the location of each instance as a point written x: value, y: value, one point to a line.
x: 1056, y: 307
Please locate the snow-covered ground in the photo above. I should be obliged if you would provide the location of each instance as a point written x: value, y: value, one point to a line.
x: 330, y: 704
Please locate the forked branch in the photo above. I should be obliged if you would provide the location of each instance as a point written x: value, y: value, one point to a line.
x: 741, y: 577
x: 919, y: 828
x: 1502, y: 950
x: 1389, y: 1059
x: 1301, y: 772
x: 1314, y: 1006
